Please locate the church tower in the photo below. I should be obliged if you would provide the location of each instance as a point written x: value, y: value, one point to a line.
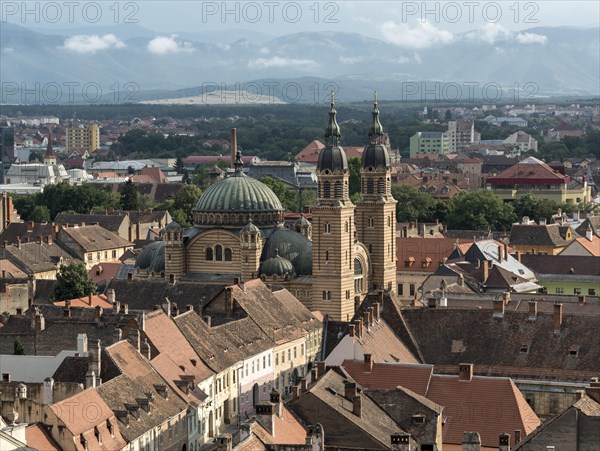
x: 376, y: 210
x: 174, y: 251
x: 50, y: 156
x: 333, y: 230
x: 251, y: 250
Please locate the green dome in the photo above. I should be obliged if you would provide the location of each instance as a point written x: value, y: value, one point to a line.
x: 277, y: 266
x: 290, y: 245
x: 236, y: 200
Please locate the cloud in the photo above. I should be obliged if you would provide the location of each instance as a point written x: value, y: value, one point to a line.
x: 92, y: 43
x: 418, y: 59
x: 163, y: 45
x: 531, y: 38
x: 264, y: 51
x: 8, y: 50
x: 421, y: 36
x: 490, y: 33
x: 277, y: 61
x: 350, y: 59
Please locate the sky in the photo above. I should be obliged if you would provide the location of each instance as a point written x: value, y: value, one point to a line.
x: 387, y: 20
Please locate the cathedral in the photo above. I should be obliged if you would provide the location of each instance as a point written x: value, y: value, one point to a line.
x: 329, y: 264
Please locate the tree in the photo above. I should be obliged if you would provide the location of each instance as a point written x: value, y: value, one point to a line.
x: 480, y: 210
x: 200, y: 175
x: 130, y: 198
x: 72, y: 282
x: 413, y: 204
x: 184, y: 202
x: 186, y: 177
x: 179, y: 166
x: 448, y: 115
x: 40, y: 213
x: 285, y: 195
x: 18, y: 348
x: 534, y: 208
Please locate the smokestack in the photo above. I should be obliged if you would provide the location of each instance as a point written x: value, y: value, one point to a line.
x: 233, y: 145
x: 558, y: 317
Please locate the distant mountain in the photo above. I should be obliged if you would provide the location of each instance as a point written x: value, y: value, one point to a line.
x: 122, y: 58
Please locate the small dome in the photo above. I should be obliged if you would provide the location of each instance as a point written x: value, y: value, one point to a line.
x: 376, y: 155
x: 301, y: 222
x: 250, y: 228
x: 332, y: 158
x: 173, y: 227
x: 277, y: 266
x: 152, y: 257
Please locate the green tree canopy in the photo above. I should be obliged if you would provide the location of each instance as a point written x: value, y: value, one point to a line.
x: 72, y: 281
x: 130, y: 198
x: 185, y: 201
x: 480, y: 210
x: 18, y: 347
x: 534, y: 208
x: 285, y: 194
x: 413, y: 204
x: 40, y: 213
x: 354, y: 169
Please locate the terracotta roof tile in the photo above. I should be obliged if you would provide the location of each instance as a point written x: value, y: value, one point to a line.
x: 37, y: 437
x: 391, y: 375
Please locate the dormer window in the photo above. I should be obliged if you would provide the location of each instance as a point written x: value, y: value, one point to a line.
x: 524, y: 349
x: 574, y: 351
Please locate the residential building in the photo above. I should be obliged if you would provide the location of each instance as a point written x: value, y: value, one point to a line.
x: 504, y: 120
x: 36, y: 174
x: 531, y: 238
x: 532, y: 176
x: 83, y: 137
x: 461, y: 134
x: 429, y: 143
x: 566, y: 274
x: 523, y: 141
x: 588, y: 245
x: 37, y: 259
x: 562, y: 130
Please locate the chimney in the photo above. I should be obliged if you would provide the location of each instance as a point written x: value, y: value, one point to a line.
x: 189, y: 308
x: 6, y: 377
x: 48, y: 391
x: 380, y: 297
x: 166, y: 306
x: 359, y: 328
x: 582, y: 299
x: 125, y: 309
x: 208, y: 320
x: 371, y: 316
x: 498, y: 308
x: 351, y: 330
x: 486, y: 270
x: 134, y: 338
x: 224, y: 442
x: 90, y: 379
x: 303, y: 385
x: 589, y: 233
x: 506, y: 297
x: 264, y: 415
x: 357, y: 405
x: 500, y: 252
x: 295, y: 392
x: 350, y: 390
x: 275, y: 398
x: 321, y: 368
x: 117, y: 335
x: 465, y: 372
x: 368, y: 363
x: 233, y: 145
x: 518, y: 255
x: 116, y: 307
x: 82, y: 344
x: 19, y: 242
x: 400, y: 441
x: 376, y: 307
x: 145, y: 349
x: 365, y: 320
x: 504, y: 442
x: 517, y: 436
x: 172, y: 279
x: 90, y: 299
x: 228, y: 301
x: 110, y: 295
x: 558, y: 317
x: 593, y: 391
x: 532, y: 310
x: 471, y: 441
x: 314, y: 374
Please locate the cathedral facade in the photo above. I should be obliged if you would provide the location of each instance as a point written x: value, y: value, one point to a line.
x: 329, y: 264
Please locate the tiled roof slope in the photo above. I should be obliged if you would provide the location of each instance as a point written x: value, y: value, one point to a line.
x: 325, y: 403
x: 451, y: 336
x: 111, y: 222
x: 538, y: 235
x: 390, y: 375
x: 94, y: 238
x: 72, y: 412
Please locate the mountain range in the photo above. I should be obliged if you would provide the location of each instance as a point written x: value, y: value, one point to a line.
x: 130, y: 62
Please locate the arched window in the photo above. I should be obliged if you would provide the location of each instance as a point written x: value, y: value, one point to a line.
x: 389, y: 221
x: 209, y: 254
x: 337, y: 189
x: 327, y: 228
x: 228, y: 254
x: 346, y: 227
x: 358, y: 276
x: 219, y: 253
x: 326, y: 256
x: 370, y: 186
x: 380, y: 186
x: 326, y: 190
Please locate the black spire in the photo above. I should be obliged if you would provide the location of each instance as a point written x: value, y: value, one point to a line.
x: 376, y: 129
x: 332, y: 133
x: 50, y: 149
x: 238, y: 164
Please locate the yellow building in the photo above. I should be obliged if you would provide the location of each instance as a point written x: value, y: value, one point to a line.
x: 81, y: 137
x: 532, y: 176
x: 532, y: 238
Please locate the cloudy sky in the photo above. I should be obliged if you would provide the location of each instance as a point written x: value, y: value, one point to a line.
x: 410, y: 21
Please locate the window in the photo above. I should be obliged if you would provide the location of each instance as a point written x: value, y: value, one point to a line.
x: 337, y: 189
x: 269, y: 363
x: 346, y: 226
x: 400, y: 289
x: 264, y: 361
x: 326, y: 190
x: 114, y: 254
x: 560, y: 290
x: 327, y: 295
x: 592, y: 291
x: 209, y: 254
x: 105, y: 254
x: 411, y: 289
x: 371, y: 223
x: 326, y: 256
x: 302, y: 349
x: 98, y: 435
x: 295, y: 356
x: 282, y: 356
x: 370, y: 186
x: 276, y: 359
x: 327, y: 228
x: 218, y: 253
x: 97, y: 255
x: 289, y: 354
x: 90, y: 256
x: 228, y: 254
x: 576, y: 290
x: 109, y: 426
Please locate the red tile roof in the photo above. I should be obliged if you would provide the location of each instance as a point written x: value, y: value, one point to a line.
x: 390, y: 375
x: 37, y: 437
x: 420, y: 249
x: 530, y: 171
x: 92, y: 301
x: 310, y: 154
